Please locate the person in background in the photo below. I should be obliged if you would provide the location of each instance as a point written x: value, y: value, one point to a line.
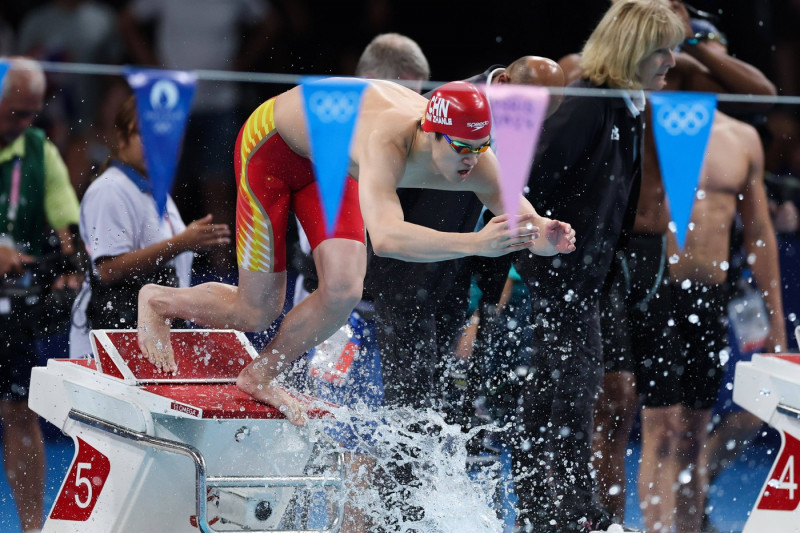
x: 703, y: 64
x: 128, y: 243
x: 73, y: 31
x: 35, y: 192
x: 590, y: 158
x: 636, y: 301
x: 392, y: 56
x: 731, y: 183
x: 209, y: 35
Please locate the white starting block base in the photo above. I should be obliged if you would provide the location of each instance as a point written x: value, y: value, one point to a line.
x: 177, y: 453
x: 769, y: 387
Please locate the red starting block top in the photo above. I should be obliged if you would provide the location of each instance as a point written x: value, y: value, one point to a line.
x: 204, y: 385
x: 224, y: 401
x: 202, y: 356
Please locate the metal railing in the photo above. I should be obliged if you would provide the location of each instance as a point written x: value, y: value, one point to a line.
x: 203, y: 482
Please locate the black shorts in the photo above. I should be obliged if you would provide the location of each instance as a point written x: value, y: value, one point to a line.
x: 635, y: 305
x: 702, y: 323
x: 17, y: 358
x: 644, y: 327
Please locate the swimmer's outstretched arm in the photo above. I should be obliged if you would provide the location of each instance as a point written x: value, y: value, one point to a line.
x: 393, y: 237
x: 381, y: 170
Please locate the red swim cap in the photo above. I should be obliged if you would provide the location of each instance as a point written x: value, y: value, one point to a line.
x: 458, y: 109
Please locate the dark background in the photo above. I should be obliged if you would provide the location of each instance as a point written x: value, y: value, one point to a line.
x: 464, y: 37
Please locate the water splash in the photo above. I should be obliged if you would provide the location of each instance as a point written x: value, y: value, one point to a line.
x: 421, y: 480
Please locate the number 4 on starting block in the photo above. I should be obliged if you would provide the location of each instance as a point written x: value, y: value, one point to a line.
x: 779, y: 499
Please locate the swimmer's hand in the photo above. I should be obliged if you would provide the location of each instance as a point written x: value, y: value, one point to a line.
x: 560, y: 235
x: 499, y: 238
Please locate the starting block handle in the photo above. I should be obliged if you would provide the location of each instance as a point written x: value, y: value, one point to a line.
x: 788, y: 410
x: 162, y: 444
x: 202, y: 481
x: 277, y: 481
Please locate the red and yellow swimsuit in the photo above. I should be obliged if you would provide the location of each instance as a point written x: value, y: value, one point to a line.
x: 272, y: 179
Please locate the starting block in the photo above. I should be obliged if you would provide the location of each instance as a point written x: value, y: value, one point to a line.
x: 178, y: 453
x: 769, y: 387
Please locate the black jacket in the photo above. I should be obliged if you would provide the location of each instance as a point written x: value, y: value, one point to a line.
x: 587, y: 172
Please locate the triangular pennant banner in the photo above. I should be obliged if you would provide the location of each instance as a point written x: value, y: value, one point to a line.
x: 3, y: 70
x: 332, y: 107
x: 163, y: 100
x: 517, y: 115
x: 682, y: 123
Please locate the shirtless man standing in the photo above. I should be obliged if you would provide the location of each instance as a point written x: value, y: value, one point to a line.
x: 401, y: 139
x: 637, y: 303
x: 732, y: 182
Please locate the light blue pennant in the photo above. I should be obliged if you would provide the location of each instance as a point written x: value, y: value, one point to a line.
x: 331, y: 109
x: 681, y: 126
x: 163, y: 100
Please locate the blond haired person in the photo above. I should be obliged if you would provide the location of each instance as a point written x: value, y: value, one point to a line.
x: 587, y: 171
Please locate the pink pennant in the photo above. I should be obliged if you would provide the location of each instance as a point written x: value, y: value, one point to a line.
x: 517, y: 115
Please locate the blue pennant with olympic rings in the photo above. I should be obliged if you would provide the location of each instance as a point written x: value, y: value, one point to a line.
x: 3, y: 70
x: 331, y: 107
x: 163, y: 100
x: 681, y: 126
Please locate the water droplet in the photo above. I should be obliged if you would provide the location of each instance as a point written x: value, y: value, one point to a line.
x: 701, y: 194
x: 694, y: 319
x: 684, y: 477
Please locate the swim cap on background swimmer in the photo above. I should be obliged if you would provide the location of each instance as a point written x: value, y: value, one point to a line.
x: 458, y: 109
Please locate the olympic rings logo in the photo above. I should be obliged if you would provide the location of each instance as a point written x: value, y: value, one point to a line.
x: 333, y: 106
x: 683, y: 119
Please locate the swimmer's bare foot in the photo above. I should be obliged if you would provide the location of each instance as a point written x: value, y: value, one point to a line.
x: 266, y: 390
x: 153, y: 329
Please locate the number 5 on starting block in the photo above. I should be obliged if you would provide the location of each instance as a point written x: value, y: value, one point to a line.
x: 83, y: 484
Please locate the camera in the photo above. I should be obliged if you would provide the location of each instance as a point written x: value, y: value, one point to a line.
x: 29, y: 296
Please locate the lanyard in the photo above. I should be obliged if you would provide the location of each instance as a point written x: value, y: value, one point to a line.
x: 13, y: 198
x: 144, y: 184
x: 134, y: 175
